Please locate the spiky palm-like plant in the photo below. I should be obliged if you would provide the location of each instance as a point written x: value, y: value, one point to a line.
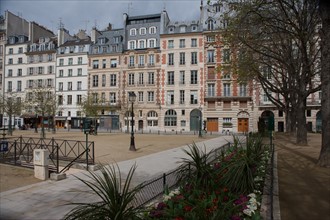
x: 116, y: 197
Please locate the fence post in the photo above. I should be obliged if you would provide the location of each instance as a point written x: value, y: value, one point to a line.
x: 15, y: 153
x: 93, y: 152
x: 164, y: 183
x: 57, y: 159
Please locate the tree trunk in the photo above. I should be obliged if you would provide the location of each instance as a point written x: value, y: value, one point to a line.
x: 324, y: 158
x: 301, y: 122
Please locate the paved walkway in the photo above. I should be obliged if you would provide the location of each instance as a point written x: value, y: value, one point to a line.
x: 49, y: 199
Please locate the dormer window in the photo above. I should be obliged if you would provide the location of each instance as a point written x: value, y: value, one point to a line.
x: 210, y: 25
x: 102, y: 40
x: 117, y: 39
x: 41, y: 40
x: 71, y: 49
x: 171, y: 30
x: 182, y: 29
x: 11, y: 40
x: 194, y: 28
x: 21, y: 39
x: 152, y: 30
x: 132, y: 32
x: 143, y: 31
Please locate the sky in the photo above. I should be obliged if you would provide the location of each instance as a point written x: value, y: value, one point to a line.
x: 85, y: 14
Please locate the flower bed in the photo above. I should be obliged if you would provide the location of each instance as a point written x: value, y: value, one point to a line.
x: 228, y: 188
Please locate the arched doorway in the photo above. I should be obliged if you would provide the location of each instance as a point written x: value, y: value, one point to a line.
x: 243, y: 121
x: 318, y: 121
x: 140, y: 125
x: 195, y: 120
x: 266, y: 121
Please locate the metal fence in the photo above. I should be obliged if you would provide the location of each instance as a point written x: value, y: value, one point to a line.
x: 20, y: 151
x: 156, y: 187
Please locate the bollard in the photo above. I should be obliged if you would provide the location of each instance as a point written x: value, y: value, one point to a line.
x: 41, y: 162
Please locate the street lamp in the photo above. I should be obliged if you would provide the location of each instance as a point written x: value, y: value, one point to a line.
x: 132, y: 98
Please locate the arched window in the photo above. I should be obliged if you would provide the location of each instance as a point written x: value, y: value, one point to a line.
x: 170, y: 118
x: 133, y: 32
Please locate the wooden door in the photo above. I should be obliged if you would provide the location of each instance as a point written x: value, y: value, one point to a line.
x: 212, y: 124
x: 243, y: 125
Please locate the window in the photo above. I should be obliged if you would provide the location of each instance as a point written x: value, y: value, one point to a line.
x: 79, y: 99
x: 131, y: 79
x: 226, y: 120
x: 151, y: 59
x: 79, y: 60
x: 10, y: 61
x: 193, y: 77
x: 31, y: 59
x: 141, y: 79
x: 211, y: 90
x: 40, y: 70
x: 103, y: 80
x: 31, y: 70
x: 210, y: 38
x: 69, y: 86
x: 69, y: 99
x: 152, y: 30
x: 30, y: 83
x: 193, y: 42
x: 10, y: 73
x: 70, y: 62
x: 170, y: 97
x: 104, y: 63
x: 10, y: 86
x: 131, y: 61
x: 10, y: 51
x: 60, y: 100
x: 151, y: 78
x: 171, y: 59
x: 170, y: 118
x: 182, y: 58
x: 50, y: 57
x: 226, y: 55
x: 112, y: 96
x: 182, y: 96
x: 141, y: 44
x: 182, y: 77
x: 61, y: 62
x: 113, y: 79
x: 20, y: 60
x: 210, y: 25
x: 170, y: 43
x: 140, y: 96
x: 193, y: 97
x: 95, y: 64
x: 50, y: 69
x: 69, y: 72
x: 132, y: 44
x: 265, y: 96
x: 95, y: 80
x: 267, y: 72
x: 193, y: 57
x: 39, y: 83
x: 95, y: 98
x: 308, y: 113
x: 182, y: 43
x: 280, y: 113
x: 210, y: 56
x: 102, y: 97
x: 79, y: 72
x: 170, y: 78
x: 60, y: 86
x: 141, y: 60
x: 132, y: 32
x: 183, y: 123
x: 226, y: 89
x: 143, y: 31
x: 242, y: 89
x: 19, y: 72
x: 152, y: 43
x: 151, y: 96
x: 19, y: 86
x: 79, y: 85
x: 183, y: 29
x: 79, y: 113
x: 113, y: 63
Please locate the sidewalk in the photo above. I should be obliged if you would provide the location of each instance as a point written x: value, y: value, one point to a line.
x: 47, y: 200
x: 304, y: 187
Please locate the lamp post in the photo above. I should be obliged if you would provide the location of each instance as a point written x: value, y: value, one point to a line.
x: 200, y: 123
x: 131, y: 98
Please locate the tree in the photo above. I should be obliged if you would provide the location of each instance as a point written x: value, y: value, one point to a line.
x: 324, y: 158
x: 281, y: 37
x: 43, y: 102
x: 11, y: 105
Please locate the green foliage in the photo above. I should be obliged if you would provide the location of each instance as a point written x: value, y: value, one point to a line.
x: 116, y: 196
x: 195, y: 167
